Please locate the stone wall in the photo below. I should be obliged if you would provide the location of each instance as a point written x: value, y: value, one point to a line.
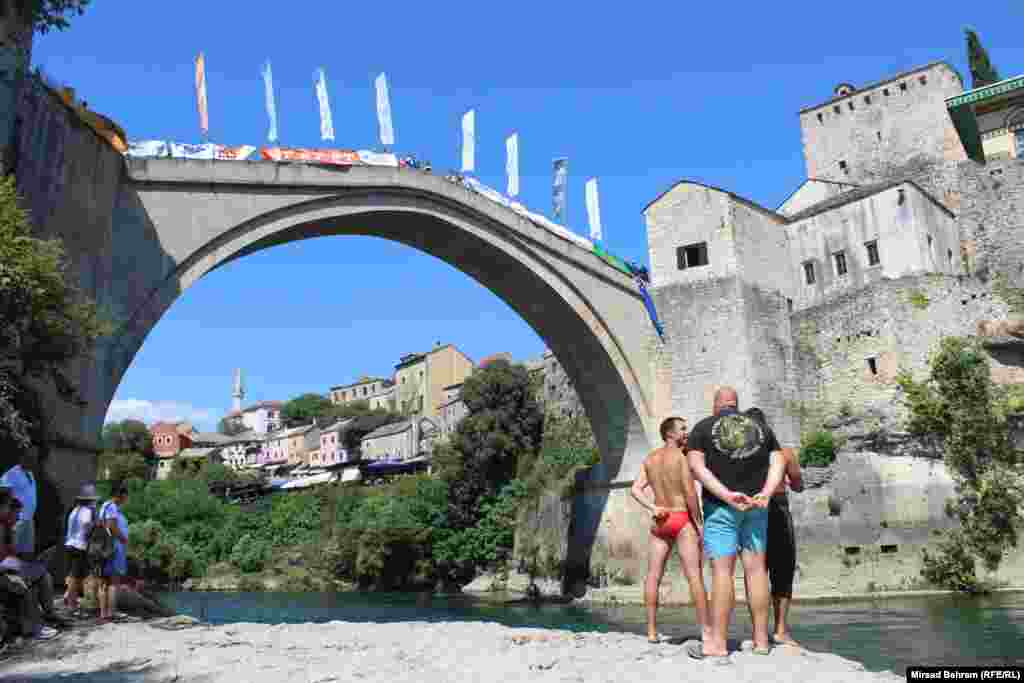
x: 991, y: 216
x: 70, y: 180
x: 903, y: 129
x: 897, y: 323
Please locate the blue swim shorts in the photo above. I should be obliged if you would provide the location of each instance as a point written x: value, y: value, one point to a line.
x: 728, y: 530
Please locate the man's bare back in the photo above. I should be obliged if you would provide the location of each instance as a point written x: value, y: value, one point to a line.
x: 668, y: 474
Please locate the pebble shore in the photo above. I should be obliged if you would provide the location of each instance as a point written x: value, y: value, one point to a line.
x: 180, y: 649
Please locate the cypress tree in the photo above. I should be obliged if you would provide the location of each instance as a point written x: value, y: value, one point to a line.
x: 982, y: 71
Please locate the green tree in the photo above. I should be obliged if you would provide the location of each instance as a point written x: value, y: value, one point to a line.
x: 47, y: 15
x: 504, y: 422
x: 122, y: 466
x: 982, y: 71
x: 306, y: 408
x: 128, y: 435
x: 959, y: 403
x: 45, y: 320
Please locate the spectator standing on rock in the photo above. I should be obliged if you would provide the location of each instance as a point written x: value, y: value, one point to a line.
x: 80, y: 523
x: 21, y: 479
x: 781, y: 556
x: 113, y: 572
x: 739, y: 462
x: 676, y: 521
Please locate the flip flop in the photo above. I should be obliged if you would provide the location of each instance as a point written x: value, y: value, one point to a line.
x: 659, y: 639
x: 785, y: 643
x: 695, y: 649
x: 762, y: 650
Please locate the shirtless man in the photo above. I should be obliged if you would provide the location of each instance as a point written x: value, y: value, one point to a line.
x: 674, y: 514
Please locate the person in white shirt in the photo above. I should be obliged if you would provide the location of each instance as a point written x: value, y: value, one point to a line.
x: 80, y: 523
x: 22, y: 481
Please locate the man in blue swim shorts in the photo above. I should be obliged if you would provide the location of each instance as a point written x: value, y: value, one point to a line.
x: 740, y: 464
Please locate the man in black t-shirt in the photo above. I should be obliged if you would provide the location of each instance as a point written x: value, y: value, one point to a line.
x: 739, y: 462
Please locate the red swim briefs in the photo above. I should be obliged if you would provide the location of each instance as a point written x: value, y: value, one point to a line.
x: 670, y: 525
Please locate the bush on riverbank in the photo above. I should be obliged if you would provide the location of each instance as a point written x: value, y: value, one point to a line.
x: 959, y: 402
x: 818, y: 449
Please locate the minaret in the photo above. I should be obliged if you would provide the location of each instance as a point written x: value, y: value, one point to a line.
x: 239, y: 393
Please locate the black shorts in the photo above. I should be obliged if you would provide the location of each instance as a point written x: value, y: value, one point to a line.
x: 79, y: 566
x: 781, y: 556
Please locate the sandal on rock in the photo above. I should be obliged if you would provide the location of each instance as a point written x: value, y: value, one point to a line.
x: 695, y: 649
x: 762, y: 650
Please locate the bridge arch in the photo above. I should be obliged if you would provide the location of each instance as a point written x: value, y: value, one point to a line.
x: 199, y: 217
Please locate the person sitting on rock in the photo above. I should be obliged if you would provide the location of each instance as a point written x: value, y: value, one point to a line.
x: 27, y: 586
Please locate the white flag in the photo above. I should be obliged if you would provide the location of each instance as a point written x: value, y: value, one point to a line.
x: 268, y: 83
x: 326, y: 124
x: 468, y: 140
x: 593, y: 210
x: 387, y: 132
x: 512, y: 164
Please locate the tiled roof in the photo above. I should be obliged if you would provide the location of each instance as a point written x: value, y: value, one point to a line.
x: 742, y: 200
x: 210, y: 437
x: 337, y: 426
x: 388, y: 430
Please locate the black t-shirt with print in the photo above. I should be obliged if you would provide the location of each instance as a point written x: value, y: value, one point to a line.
x: 737, y: 449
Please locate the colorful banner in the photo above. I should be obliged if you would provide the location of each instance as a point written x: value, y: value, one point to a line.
x: 512, y: 164
x: 204, y: 118
x: 186, y: 151
x: 148, y: 148
x: 326, y: 122
x: 377, y: 159
x: 561, y: 168
x: 387, y: 131
x: 612, y: 260
x: 593, y: 210
x: 649, y: 305
x: 468, y: 141
x: 334, y: 157
x: 239, y: 153
x: 268, y: 85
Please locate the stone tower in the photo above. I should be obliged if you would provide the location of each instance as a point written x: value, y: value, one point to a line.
x: 238, y: 394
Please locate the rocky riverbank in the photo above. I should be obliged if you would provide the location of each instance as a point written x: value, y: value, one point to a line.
x: 180, y: 650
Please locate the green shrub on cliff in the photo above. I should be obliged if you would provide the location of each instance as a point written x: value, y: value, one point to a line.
x: 251, y: 554
x: 818, y: 449
x: 959, y: 403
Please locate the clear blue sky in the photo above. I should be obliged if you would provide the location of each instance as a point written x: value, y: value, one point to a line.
x: 639, y: 96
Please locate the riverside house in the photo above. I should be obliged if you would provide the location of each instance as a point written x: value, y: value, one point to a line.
x: 286, y: 447
x: 390, y: 442
x: 332, y: 448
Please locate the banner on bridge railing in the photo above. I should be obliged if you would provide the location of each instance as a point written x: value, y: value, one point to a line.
x: 333, y: 157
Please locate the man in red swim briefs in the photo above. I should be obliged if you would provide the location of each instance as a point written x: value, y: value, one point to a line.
x: 676, y: 518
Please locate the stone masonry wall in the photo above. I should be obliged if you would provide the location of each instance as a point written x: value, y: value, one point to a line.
x: 903, y: 129
x: 991, y: 216
x: 897, y: 323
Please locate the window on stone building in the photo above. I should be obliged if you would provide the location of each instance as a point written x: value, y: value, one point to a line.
x: 809, y: 272
x: 903, y: 87
x: 931, y: 247
x: 886, y: 549
x: 837, y: 110
x: 821, y: 119
x: 867, y: 99
x: 842, y: 167
x: 692, y: 255
x: 949, y: 256
x: 879, y: 134
x: 789, y: 304
x: 840, y: 260
x: 873, y: 365
x: 923, y: 80
x: 872, y: 248
x: 885, y: 91
x: 850, y: 104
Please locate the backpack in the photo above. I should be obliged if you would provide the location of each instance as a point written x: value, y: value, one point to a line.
x: 100, y: 543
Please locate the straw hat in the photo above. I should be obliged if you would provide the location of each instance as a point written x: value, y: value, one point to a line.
x: 87, y: 492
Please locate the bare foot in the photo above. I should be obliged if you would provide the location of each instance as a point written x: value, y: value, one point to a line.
x: 705, y: 634
x: 785, y: 639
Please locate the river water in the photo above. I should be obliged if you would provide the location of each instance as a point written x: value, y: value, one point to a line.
x: 885, y: 634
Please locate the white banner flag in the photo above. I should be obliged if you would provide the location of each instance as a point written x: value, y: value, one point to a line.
x: 268, y: 83
x: 512, y: 164
x: 468, y: 140
x: 188, y: 151
x: 147, y: 148
x: 326, y: 123
x: 593, y: 210
x: 387, y: 132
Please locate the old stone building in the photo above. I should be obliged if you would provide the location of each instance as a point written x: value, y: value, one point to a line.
x: 904, y: 232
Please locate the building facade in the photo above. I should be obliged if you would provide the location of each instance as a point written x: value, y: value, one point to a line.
x: 332, y: 446
x: 262, y: 418
x: 377, y: 391
x: 451, y: 411
x: 813, y: 308
x: 396, y: 441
